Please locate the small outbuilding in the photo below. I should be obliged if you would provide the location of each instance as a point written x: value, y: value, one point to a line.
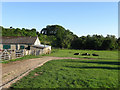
x: 19, y: 46
x: 18, y: 42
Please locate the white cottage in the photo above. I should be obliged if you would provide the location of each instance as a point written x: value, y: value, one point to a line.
x: 18, y: 46
x: 18, y: 42
x: 21, y: 42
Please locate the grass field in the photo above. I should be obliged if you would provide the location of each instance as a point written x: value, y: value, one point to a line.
x: 70, y: 53
x: 100, y: 72
x: 72, y: 74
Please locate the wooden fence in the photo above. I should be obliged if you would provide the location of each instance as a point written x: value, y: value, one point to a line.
x: 5, y: 55
x: 13, y: 54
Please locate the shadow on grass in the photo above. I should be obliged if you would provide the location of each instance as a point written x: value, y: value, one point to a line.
x: 101, y: 58
x: 97, y: 62
x: 94, y: 67
x: 109, y: 58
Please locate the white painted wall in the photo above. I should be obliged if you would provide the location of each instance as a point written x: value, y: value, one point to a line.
x: 49, y: 47
x: 1, y: 46
x: 37, y: 42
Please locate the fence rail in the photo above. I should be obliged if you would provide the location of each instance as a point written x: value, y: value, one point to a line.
x: 13, y: 54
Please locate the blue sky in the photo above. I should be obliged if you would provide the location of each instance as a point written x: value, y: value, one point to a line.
x: 82, y: 18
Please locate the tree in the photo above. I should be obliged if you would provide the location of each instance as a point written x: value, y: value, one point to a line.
x: 51, y: 29
x: 118, y: 42
x: 58, y: 36
x: 110, y: 42
x: 77, y: 43
x: 11, y: 27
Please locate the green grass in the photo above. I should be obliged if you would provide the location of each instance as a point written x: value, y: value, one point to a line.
x: 72, y: 74
x: 70, y: 53
x: 97, y: 72
x: 21, y: 58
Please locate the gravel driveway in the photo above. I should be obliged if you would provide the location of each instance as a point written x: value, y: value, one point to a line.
x: 14, y: 71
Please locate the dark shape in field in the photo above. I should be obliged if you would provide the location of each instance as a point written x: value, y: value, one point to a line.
x: 70, y: 52
x: 97, y: 62
x: 95, y: 67
x: 85, y: 54
x: 95, y: 54
x: 76, y: 53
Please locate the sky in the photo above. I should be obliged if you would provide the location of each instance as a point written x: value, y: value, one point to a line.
x: 82, y: 18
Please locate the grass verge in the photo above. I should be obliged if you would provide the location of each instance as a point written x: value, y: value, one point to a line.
x: 103, y: 54
x: 72, y: 74
x: 22, y: 58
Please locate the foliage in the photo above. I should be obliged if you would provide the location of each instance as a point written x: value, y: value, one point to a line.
x: 95, y: 42
x: 118, y: 42
x: 18, y: 32
x: 62, y: 37
x: 52, y: 29
x: 59, y: 37
x: 110, y: 42
x: 66, y: 39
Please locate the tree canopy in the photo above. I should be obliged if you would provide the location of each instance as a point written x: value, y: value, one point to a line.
x: 18, y: 32
x: 59, y: 37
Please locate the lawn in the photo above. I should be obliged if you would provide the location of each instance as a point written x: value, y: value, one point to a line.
x: 72, y: 74
x: 99, y: 72
x: 70, y: 53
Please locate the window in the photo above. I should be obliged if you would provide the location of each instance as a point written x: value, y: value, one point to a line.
x: 28, y: 47
x: 6, y: 46
x: 22, y: 47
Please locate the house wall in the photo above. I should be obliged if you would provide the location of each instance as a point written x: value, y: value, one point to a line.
x: 13, y: 47
x: 49, y: 47
x: 37, y: 42
x: 18, y: 46
x: 21, y: 53
x: 26, y: 46
x: 47, y: 50
x: 1, y: 46
x: 22, y: 45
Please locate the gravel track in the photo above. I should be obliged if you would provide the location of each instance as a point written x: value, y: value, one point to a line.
x: 14, y: 71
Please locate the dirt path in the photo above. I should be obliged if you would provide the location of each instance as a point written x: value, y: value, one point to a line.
x: 13, y: 71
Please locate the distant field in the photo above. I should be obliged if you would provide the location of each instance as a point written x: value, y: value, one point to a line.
x: 95, y: 72
x: 72, y: 74
x: 70, y: 53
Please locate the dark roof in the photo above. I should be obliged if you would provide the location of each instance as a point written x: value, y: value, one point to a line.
x: 18, y: 40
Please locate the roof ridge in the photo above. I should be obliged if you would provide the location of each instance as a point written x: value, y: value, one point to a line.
x: 18, y: 40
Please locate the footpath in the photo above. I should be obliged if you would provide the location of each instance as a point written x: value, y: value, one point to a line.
x: 14, y: 71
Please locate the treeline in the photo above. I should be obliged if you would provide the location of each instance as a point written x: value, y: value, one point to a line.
x: 18, y: 32
x: 96, y: 42
x: 66, y: 39
x: 59, y: 37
